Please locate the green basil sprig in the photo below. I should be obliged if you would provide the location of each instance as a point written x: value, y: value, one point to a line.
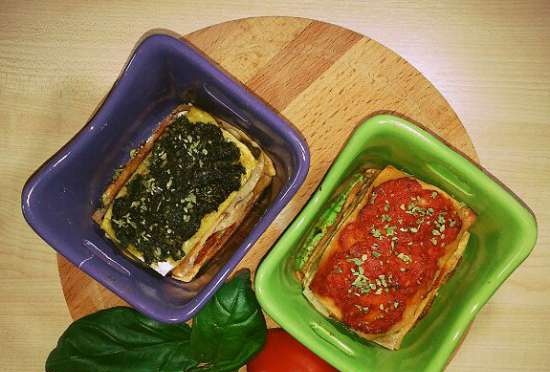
x: 226, y: 333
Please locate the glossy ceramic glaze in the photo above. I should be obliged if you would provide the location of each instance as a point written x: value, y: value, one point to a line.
x: 59, y: 199
x: 502, y: 237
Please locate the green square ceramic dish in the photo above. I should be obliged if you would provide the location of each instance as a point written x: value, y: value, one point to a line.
x: 502, y: 237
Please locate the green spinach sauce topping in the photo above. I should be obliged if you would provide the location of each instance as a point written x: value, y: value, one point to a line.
x: 193, y: 169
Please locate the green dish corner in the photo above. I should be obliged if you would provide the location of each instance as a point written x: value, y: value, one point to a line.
x: 502, y: 237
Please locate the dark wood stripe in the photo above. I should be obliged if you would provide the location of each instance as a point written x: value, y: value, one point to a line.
x: 301, y: 62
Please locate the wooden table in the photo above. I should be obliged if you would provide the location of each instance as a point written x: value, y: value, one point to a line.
x: 490, y: 61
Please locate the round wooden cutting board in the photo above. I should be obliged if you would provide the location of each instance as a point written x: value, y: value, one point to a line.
x: 322, y: 78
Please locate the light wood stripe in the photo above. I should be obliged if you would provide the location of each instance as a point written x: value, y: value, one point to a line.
x: 244, y: 47
x: 301, y: 62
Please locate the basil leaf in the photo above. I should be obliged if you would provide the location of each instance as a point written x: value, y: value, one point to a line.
x: 121, y: 339
x: 230, y: 329
x: 226, y: 333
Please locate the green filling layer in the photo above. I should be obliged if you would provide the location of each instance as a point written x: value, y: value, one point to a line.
x: 325, y: 221
x: 192, y: 170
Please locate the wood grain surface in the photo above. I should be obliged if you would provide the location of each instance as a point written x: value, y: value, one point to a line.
x: 490, y: 60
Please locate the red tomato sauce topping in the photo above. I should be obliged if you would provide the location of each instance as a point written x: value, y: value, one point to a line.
x: 387, y: 254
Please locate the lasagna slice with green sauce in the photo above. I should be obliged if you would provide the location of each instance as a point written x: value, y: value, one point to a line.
x: 184, y: 192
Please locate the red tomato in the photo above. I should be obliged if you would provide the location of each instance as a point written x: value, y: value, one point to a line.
x: 282, y: 353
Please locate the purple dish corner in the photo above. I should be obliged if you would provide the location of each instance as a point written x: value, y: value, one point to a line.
x: 60, y: 197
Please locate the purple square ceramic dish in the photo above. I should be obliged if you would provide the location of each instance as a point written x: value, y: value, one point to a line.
x: 60, y: 197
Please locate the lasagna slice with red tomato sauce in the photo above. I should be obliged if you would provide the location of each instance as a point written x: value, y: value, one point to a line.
x: 384, y: 261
